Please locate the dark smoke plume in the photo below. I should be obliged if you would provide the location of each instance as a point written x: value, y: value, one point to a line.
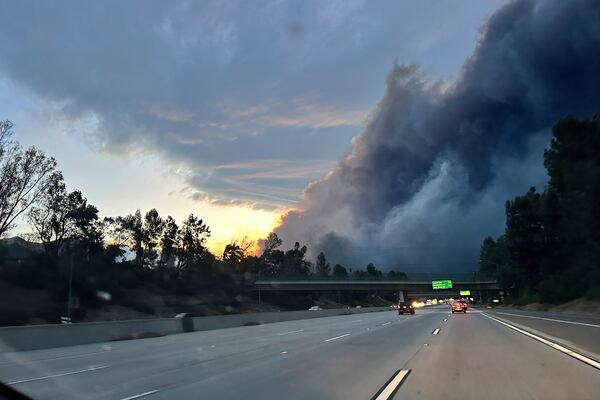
x: 428, y: 177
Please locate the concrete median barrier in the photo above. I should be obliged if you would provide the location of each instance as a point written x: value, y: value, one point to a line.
x: 18, y: 338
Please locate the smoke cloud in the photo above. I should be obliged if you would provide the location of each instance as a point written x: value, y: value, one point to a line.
x: 428, y: 177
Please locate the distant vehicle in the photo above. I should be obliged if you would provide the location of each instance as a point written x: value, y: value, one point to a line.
x: 406, y: 308
x: 459, y: 306
x: 315, y: 308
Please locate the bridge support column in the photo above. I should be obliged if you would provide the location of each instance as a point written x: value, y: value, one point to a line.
x: 402, y: 296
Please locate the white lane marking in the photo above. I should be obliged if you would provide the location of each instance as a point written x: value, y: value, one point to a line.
x: 436, y: 331
x: 137, y: 396
x: 23, y: 361
x: 290, y: 332
x: 284, y: 352
x: 336, y: 338
x: 57, y: 375
x: 392, y: 386
x: 387, y: 323
x: 550, y: 319
x: 555, y: 346
x: 356, y: 320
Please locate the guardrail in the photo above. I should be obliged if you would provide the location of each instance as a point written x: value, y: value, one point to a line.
x: 33, y: 337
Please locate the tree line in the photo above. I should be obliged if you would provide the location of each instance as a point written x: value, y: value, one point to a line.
x: 120, y: 253
x: 550, y: 250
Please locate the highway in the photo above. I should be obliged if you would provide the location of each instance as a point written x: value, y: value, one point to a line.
x: 485, y: 354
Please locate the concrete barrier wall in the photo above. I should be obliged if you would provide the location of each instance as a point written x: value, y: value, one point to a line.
x: 229, y: 321
x: 45, y: 336
x: 18, y: 338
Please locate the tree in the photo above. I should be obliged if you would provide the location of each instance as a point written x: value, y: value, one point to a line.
x: 236, y: 251
x: 550, y: 245
x: 129, y: 232
x: 167, y: 243
x: 339, y: 271
x: 271, y: 259
x: 294, y: 264
x: 373, y: 272
x: 190, y: 244
x: 60, y: 217
x: 396, y: 275
x: 271, y: 243
x: 322, y: 265
x: 525, y: 237
x: 151, y: 231
x: 25, y: 175
x: 141, y: 235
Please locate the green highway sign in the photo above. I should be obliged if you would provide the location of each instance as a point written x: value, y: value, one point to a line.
x: 465, y: 292
x: 443, y: 284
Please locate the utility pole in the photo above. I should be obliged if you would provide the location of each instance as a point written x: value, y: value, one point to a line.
x: 70, y: 289
x: 259, y: 286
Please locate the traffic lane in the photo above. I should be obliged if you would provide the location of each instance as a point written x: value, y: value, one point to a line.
x: 20, y: 366
x: 94, y: 349
x: 352, y: 367
x: 159, y: 361
x: 572, y: 332
x: 474, y: 357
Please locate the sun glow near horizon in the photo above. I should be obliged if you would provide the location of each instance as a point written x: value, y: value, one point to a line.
x: 234, y: 222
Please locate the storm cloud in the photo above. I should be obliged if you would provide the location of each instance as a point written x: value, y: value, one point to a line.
x: 428, y: 177
x: 211, y: 84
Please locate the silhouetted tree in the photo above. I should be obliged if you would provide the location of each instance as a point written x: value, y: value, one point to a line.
x: 25, y: 175
x: 271, y: 259
x: 339, y: 271
x: 167, y: 243
x: 60, y: 217
x: 322, y: 266
x: 190, y: 245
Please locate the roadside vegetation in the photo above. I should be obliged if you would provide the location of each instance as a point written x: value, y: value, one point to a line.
x: 136, y: 265
x: 550, y: 250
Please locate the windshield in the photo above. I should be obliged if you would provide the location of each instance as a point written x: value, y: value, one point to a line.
x: 336, y: 199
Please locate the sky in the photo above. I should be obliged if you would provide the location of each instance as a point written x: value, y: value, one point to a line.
x: 224, y: 109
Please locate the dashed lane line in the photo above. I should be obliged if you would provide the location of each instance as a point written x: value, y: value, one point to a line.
x: 335, y: 338
x: 137, y: 396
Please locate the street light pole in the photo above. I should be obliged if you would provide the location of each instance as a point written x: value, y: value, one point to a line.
x: 70, y: 289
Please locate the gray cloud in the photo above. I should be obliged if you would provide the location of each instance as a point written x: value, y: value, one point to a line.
x: 211, y: 82
x: 428, y: 177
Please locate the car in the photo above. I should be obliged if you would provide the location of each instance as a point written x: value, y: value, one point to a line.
x: 459, y: 306
x: 315, y: 308
x: 406, y: 308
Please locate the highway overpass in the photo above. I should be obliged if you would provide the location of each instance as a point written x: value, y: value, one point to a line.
x: 408, y: 286
x: 481, y: 289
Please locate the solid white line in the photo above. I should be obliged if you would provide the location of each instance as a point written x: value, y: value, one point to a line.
x: 336, y: 338
x: 389, y: 390
x: 287, y: 333
x: 57, y: 375
x: 555, y: 346
x: 137, y: 396
x: 436, y: 331
x: 387, y: 323
x: 550, y: 319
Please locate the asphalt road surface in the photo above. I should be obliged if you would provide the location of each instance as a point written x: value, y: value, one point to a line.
x: 485, y: 354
